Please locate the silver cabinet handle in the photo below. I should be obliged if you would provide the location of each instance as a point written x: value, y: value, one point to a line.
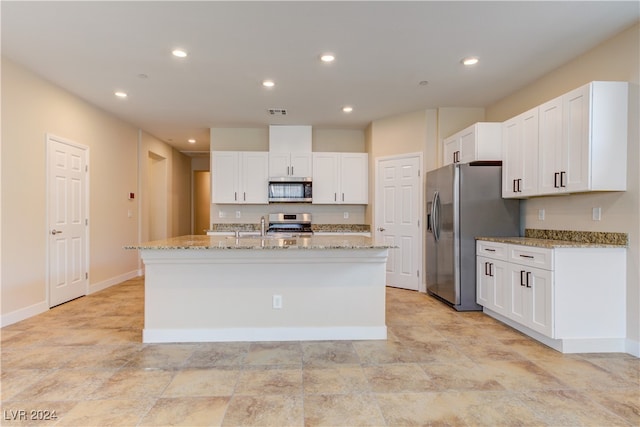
x: 54, y: 232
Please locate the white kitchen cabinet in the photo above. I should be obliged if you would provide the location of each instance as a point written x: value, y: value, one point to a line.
x: 491, y: 291
x: 340, y: 178
x: 239, y: 177
x: 290, y: 164
x: 480, y: 141
x: 570, y: 298
x: 520, y: 155
x: 583, y: 140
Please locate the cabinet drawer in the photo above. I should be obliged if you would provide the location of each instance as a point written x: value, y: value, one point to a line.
x: 493, y: 250
x: 531, y: 256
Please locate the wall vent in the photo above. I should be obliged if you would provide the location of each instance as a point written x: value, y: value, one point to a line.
x: 277, y: 111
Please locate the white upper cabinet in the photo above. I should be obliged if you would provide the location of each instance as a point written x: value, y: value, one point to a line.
x: 583, y: 140
x: 290, y: 164
x: 520, y: 155
x: 574, y: 143
x: 481, y: 141
x: 340, y: 178
x: 239, y: 177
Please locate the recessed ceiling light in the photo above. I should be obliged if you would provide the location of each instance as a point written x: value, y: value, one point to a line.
x: 121, y: 94
x: 347, y: 109
x: 268, y: 83
x: 191, y: 141
x: 471, y: 60
x: 327, y: 57
x: 179, y: 53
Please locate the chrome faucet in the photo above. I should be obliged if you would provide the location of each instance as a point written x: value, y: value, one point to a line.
x: 262, y: 227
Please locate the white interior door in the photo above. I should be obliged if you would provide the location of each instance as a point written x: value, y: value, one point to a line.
x: 397, y: 220
x: 67, y: 217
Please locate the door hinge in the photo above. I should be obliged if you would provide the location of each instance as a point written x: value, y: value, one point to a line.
x: 86, y: 221
x: 86, y: 275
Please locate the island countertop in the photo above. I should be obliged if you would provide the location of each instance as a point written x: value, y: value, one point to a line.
x: 200, y: 242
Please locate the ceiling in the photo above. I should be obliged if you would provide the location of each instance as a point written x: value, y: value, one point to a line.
x: 383, y: 51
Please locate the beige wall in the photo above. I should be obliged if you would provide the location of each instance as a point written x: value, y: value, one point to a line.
x: 31, y: 108
x: 615, y: 59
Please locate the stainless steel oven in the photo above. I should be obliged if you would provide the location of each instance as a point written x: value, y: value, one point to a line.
x: 290, y: 224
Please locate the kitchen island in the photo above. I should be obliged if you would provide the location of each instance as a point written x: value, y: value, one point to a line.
x: 273, y: 288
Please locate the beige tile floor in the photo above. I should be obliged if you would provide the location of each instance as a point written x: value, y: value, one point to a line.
x: 84, y: 360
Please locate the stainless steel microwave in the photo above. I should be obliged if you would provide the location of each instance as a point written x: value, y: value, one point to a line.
x: 288, y: 190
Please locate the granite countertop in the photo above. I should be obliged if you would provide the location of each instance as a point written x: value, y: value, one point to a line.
x: 336, y: 228
x: 257, y: 242
x: 564, y: 239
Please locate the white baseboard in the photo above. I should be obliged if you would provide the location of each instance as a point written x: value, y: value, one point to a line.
x: 264, y: 334
x: 633, y: 347
x: 96, y: 287
x: 568, y: 345
x: 24, y: 313
x: 40, y: 307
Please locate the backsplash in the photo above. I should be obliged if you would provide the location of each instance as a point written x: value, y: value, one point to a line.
x: 600, y: 237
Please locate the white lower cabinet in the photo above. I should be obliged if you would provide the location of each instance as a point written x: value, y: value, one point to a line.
x: 570, y: 298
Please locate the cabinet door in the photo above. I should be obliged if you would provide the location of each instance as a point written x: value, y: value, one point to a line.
x: 279, y: 164
x: 225, y: 177
x: 513, y: 157
x: 484, y: 282
x: 550, y: 148
x: 255, y: 177
x: 354, y: 178
x: 529, y: 153
x: 530, y: 299
x: 520, y: 154
x: 540, y: 304
x: 325, y: 178
x: 492, y: 291
x: 575, y: 150
x: 301, y: 164
x: 518, y: 295
x: 451, y: 146
x: 468, y: 147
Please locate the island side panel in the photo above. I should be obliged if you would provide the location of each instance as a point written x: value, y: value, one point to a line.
x: 227, y: 295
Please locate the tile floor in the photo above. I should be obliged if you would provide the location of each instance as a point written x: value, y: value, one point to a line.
x: 84, y: 361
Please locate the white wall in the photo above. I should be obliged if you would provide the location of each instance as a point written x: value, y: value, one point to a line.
x: 615, y: 59
x: 31, y: 108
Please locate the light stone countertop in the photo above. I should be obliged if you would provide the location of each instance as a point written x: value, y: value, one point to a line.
x: 269, y: 242
x: 548, y: 243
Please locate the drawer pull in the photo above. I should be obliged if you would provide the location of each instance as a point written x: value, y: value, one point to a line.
x: 527, y: 256
x: 489, y: 250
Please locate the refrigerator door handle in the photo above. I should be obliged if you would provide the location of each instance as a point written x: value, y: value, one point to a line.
x: 435, y: 216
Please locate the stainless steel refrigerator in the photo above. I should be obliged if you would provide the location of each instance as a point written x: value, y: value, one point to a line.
x: 464, y: 201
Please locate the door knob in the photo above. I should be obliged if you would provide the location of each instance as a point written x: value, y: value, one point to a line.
x: 381, y: 229
x: 54, y: 232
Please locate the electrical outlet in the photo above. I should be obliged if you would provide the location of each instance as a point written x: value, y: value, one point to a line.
x: 238, y: 214
x: 220, y: 214
x: 596, y: 214
x: 277, y: 301
x: 541, y: 214
x: 346, y: 215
